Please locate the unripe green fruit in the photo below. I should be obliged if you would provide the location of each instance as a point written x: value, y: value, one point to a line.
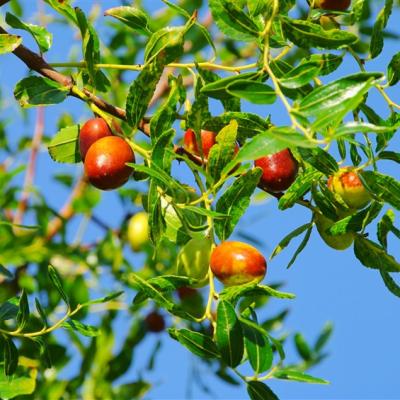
x: 237, y: 263
x: 194, y: 260
x: 334, y: 5
x: 138, y: 230
x: 347, y: 184
x: 338, y: 242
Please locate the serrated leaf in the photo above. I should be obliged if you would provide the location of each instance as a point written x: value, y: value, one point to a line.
x: 307, y: 34
x: 382, y: 187
x: 234, y: 202
x: 372, y: 255
x: 329, y: 104
x: 83, y: 329
x: 64, y: 146
x: 299, y: 188
x: 132, y: 17
x: 41, y: 35
x: 9, y: 43
x: 39, y: 91
x: 301, y: 247
x: 223, y: 151
x: 389, y: 155
x: 56, y: 281
x: 142, y: 89
x: 393, y: 70
x: 232, y: 21
x: 301, y: 75
x: 320, y: 160
x: 260, y: 391
x: 390, y: 283
x: 199, y: 344
x: 229, y: 334
x: 64, y: 9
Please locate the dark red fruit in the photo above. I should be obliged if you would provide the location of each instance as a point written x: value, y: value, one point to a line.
x: 154, y: 322
x: 334, y: 5
x: 91, y: 131
x: 105, y: 162
x: 279, y: 170
x: 185, y: 292
x: 208, y: 139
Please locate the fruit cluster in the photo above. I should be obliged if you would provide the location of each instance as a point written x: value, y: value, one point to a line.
x: 104, y: 155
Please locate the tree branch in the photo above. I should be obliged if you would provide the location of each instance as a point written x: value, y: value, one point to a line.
x: 2, y: 2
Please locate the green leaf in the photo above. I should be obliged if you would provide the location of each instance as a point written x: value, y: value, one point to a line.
x: 260, y: 391
x: 293, y: 375
x: 249, y: 124
x: 299, y: 188
x: 386, y: 225
x: 199, y: 344
x: 229, y: 334
x: 90, y: 47
x: 160, y: 155
x: 372, y: 255
x: 376, y: 45
x: 10, y: 356
x: 389, y: 155
x: 307, y: 34
x: 255, y: 92
x: 234, y: 293
x: 8, y: 310
x: 328, y: 62
x: 323, y: 338
x: 301, y: 247
x: 205, y: 212
x: 223, y: 151
x: 64, y: 146
x: 56, y: 281
x: 351, y: 128
x: 301, y: 75
x: 22, y: 383
x: 258, y: 349
x: 9, y: 43
x: 39, y: 91
x: 41, y: 35
x: 142, y: 89
x: 168, y: 40
x: 104, y: 299
x: 64, y: 9
x: 302, y: 347
x: 83, y: 329
x: 393, y: 71
x: 382, y: 187
x: 132, y: 17
x: 234, y: 202
x: 23, y: 311
x: 5, y: 272
x: 390, y: 283
x: 320, y: 160
x: 288, y: 238
x: 41, y: 312
x: 165, y: 115
x: 329, y: 104
x: 232, y: 21
x: 217, y: 89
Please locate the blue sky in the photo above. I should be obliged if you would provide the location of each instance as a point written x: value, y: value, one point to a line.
x: 330, y: 285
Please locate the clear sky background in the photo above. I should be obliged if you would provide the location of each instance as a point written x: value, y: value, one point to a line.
x: 364, y: 351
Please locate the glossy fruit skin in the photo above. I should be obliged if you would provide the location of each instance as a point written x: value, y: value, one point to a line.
x: 337, y: 242
x: 91, y: 131
x: 194, y: 260
x: 237, y: 263
x: 347, y: 184
x: 105, y: 162
x: 279, y: 171
x: 154, y: 322
x: 334, y: 5
x: 138, y: 230
x: 208, y: 139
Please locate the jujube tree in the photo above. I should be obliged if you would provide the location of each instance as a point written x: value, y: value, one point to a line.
x: 188, y: 107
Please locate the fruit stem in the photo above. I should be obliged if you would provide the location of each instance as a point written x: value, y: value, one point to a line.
x: 138, y: 149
